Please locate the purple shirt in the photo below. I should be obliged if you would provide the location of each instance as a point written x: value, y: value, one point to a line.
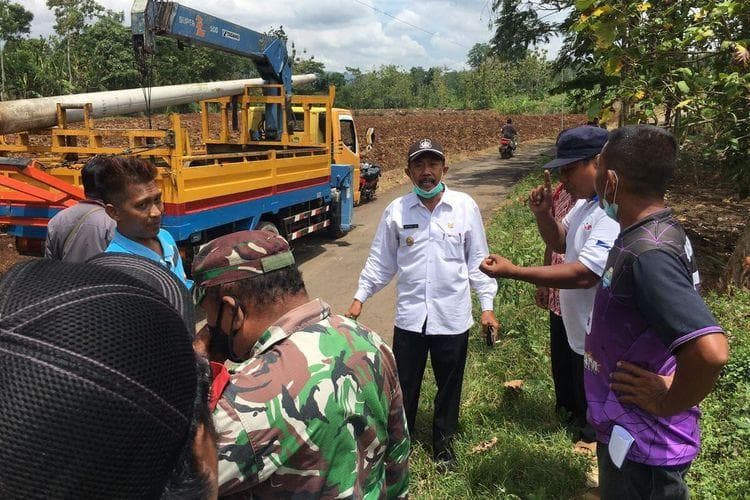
x: 647, y: 306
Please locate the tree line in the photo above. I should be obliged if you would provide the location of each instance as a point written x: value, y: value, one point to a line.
x: 91, y: 50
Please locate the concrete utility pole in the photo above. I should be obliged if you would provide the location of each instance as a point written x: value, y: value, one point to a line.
x: 2, y: 68
x: 41, y: 112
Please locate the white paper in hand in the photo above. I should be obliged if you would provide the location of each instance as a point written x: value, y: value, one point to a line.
x: 619, y: 444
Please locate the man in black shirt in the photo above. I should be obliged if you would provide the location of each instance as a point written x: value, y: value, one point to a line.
x: 508, y: 130
x: 654, y: 350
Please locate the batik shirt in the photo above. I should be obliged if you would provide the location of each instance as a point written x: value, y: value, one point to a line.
x: 647, y: 307
x: 316, y: 412
x: 562, y: 202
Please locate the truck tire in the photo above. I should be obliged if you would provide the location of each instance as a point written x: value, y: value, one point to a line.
x: 334, y: 231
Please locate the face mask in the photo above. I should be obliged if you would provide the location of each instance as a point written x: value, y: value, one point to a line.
x: 611, y: 208
x: 222, y: 342
x: 429, y: 194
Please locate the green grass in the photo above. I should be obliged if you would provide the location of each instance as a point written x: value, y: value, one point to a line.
x: 516, y: 105
x: 722, y: 470
x: 533, y: 456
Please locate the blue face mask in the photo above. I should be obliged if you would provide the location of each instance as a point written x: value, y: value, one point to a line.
x: 428, y: 194
x: 611, y: 208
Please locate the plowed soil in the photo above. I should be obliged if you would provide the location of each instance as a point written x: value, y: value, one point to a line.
x: 458, y: 131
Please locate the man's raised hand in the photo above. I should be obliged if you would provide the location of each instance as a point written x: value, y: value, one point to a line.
x: 540, y: 199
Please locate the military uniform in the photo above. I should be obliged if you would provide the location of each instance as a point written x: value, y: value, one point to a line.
x: 316, y: 410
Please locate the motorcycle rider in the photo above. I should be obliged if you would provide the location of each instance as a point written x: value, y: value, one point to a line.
x: 508, y: 131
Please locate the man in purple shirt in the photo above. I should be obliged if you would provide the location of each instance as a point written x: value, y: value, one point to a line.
x: 655, y: 350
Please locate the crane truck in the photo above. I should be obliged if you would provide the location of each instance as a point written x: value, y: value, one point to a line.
x: 270, y: 159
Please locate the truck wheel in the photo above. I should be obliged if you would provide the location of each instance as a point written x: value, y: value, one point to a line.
x: 265, y: 225
x: 335, y: 233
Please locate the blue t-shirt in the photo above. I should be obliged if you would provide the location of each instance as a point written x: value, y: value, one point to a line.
x: 648, y: 306
x: 171, y: 258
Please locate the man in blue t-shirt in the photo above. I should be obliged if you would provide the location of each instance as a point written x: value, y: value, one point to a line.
x: 655, y: 350
x: 134, y: 201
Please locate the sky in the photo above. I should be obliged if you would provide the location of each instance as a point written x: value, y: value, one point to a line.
x: 349, y: 33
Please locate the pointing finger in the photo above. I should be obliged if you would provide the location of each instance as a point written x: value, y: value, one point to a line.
x: 547, y: 182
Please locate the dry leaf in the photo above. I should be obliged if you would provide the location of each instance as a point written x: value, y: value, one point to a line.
x: 484, y: 446
x: 513, y: 385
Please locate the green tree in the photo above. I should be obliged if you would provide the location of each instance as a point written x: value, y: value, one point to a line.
x: 684, y: 65
x: 517, y: 27
x: 108, y: 43
x: 15, y: 21
x: 37, y: 68
x: 70, y: 18
x: 478, y: 54
x: 309, y: 65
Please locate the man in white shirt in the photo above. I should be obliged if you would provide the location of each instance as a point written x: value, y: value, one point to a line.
x: 433, y: 239
x: 585, y: 236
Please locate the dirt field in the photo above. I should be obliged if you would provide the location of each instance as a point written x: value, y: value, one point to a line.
x: 458, y: 131
x: 713, y: 216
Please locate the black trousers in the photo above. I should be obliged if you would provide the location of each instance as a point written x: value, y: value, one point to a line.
x: 567, y: 376
x: 448, y: 359
x: 636, y: 481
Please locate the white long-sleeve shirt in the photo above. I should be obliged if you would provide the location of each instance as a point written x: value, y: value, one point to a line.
x: 436, y: 256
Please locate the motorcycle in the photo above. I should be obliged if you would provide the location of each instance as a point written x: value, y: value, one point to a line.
x: 369, y: 175
x: 507, y: 147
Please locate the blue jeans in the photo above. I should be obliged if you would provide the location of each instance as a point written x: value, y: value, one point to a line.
x: 639, y: 481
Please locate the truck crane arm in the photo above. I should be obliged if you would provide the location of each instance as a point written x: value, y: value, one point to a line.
x: 157, y: 17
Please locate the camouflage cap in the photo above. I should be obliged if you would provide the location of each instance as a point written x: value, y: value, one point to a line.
x: 238, y: 256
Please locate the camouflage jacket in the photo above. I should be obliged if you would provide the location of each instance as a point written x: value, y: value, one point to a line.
x: 316, y: 412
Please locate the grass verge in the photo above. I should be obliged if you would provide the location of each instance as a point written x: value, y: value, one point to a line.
x: 533, y: 456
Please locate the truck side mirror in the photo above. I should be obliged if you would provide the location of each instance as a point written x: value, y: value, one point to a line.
x: 369, y: 138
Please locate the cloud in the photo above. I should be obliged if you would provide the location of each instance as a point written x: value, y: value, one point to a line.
x: 346, y: 33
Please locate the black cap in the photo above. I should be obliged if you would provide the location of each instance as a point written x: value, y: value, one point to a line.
x: 577, y: 144
x: 99, y: 381
x: 425, y: 146
x: 156, y: 277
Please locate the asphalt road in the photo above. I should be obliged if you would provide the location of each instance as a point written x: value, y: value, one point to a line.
x: 331, y: 267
